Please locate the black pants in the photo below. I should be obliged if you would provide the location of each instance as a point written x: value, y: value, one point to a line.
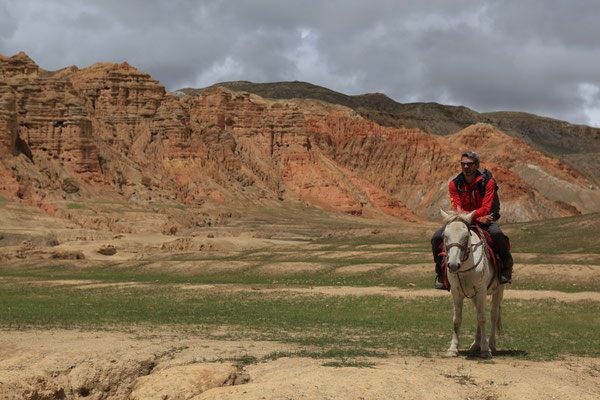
x: 499, y: 238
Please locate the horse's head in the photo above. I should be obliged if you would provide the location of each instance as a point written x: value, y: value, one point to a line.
x: 456, y: 238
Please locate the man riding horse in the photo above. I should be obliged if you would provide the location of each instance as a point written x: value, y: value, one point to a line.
x: 467, y: 194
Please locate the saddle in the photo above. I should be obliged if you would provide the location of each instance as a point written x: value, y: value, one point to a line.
x: 492, y: 247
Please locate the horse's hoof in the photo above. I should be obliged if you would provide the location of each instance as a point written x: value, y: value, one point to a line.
x: 474, y: 349
x: 486, y: 355
x: 452, y: 353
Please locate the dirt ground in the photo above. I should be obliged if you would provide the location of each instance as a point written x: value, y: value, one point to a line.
x: 150, y: 364
x: 174, y: 365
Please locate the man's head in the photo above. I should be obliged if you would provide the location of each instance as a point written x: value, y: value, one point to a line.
x: 469, y: 163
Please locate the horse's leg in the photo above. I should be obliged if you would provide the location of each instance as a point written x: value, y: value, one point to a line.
x: 458, y: 306
x: 495, y: 315
x: 479, y: 301
x: 475, y: 347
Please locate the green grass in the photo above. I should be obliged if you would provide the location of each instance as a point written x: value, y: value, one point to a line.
x: 552, y: 282
x: 349, y: 363
x: 75, y: 206
x: 557, y: 236
x: 250, y: 275
x: 344, y: 327
x: 391, y: 274
x: 175, y: 206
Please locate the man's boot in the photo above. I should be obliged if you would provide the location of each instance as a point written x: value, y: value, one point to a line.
x: 505, y: 275
x: 439, y: 283
x: 439, y: 279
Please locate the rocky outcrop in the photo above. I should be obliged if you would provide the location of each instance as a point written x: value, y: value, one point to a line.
x: 8, y: 121
x: 43, y: 116
x: 578, y: 146
x: 415, y: 168
x: 120, y: 100
x: 110, y: 131
x: 186, y: 381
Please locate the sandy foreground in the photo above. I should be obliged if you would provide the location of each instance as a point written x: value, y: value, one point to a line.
x: 171, y: 365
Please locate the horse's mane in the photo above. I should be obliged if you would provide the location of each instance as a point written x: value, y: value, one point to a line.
x: 456, y: 216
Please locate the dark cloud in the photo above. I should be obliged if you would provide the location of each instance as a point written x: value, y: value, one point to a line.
x: 537, y: 56
x: 8, y: 25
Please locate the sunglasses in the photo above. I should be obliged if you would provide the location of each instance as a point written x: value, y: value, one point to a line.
x: 465, y: 163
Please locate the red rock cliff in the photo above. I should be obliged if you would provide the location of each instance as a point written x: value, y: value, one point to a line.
x: 111, y: 130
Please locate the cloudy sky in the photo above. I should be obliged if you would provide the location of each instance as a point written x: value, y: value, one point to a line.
x: 537, y: 56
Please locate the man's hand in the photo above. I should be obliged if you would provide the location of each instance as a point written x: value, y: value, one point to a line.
x: 486, y: 219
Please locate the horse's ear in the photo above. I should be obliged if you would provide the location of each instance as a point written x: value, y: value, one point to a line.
x: 469, y: 217
x: 444, y: 214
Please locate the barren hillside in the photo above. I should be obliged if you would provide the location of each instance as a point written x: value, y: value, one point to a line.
x: 575, y: 145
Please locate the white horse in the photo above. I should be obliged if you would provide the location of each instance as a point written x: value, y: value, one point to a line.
x: 471, y: 275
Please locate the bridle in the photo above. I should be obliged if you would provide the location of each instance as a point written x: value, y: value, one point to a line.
x: 466, y: 250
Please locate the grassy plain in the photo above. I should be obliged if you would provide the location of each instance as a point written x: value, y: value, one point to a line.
x: 350, y: 325
x: 247, y: 293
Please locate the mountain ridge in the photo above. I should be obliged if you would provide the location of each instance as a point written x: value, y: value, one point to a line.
x: 112, y: 133
x: 551, y: 136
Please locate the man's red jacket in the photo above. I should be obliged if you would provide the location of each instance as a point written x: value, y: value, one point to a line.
x: 469, y: 199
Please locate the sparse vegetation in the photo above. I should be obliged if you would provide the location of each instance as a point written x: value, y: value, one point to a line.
x: 176, y: 206
x: 326, y: 266
x: 338, y: 327
x: 349, y: 363
x: 342, y: 331
x: 551, y: 239
x: 461, y: 377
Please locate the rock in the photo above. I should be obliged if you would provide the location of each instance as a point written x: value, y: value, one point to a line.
x: 169, y: 229
x: 49, y: 119
x: 185, y: 382
x: 69, y: 185
x: 107, y: 250
x: 69, y: 255
x: 146, y: 181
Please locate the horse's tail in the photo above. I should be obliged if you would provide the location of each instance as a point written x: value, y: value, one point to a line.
x: 499, y: 321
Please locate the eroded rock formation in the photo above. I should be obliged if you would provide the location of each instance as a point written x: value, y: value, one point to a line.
x: 112, y: 132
